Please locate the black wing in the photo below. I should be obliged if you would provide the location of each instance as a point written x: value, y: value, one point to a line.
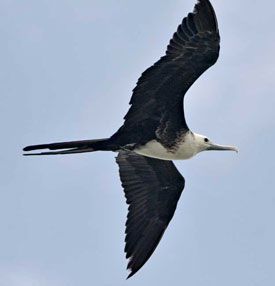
x: 152, y: 188
x: 157, y: 100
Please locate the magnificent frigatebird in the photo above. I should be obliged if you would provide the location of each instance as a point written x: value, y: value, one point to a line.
x: 155, y: 132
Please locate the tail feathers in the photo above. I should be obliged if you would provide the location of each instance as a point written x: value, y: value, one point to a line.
x: 72, y: 147
x: 70, y: 151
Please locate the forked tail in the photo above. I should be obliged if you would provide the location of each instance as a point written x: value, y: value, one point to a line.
x: 72, y: 147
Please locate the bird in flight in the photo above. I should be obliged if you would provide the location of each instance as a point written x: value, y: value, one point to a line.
x: 155, y: 132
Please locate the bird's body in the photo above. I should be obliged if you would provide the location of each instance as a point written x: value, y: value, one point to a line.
x: 155, y: 132
x: 186, y: 146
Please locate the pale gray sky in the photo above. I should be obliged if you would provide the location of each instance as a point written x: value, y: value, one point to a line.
x: 67, y: 71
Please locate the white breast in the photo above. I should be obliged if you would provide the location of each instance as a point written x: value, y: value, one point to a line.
x: 185, y: 150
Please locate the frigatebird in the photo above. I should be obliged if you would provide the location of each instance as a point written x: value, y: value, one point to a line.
x: 155, y: 132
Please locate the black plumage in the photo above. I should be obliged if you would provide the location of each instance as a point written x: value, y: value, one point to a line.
x: 156, y: 110
x: 152, y: 189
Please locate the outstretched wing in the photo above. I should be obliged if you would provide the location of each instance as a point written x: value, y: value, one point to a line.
x: 152, y: 188
x: 158, y: 96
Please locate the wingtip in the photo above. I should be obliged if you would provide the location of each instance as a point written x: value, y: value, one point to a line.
x: 132, y: 273
x: 131, y: 269
x: 129, y: 276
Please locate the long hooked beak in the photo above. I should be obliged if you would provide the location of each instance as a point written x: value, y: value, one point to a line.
x: 214, y: 147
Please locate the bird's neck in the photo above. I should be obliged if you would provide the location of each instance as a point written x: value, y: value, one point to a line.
x: 188, y: 146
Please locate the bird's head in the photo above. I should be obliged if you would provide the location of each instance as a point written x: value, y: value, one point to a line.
x: 204, y: 144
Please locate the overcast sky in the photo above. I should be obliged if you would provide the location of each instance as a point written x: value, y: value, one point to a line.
x: 67, y: 71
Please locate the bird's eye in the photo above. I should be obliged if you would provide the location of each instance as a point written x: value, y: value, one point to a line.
x: 206, y: 140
